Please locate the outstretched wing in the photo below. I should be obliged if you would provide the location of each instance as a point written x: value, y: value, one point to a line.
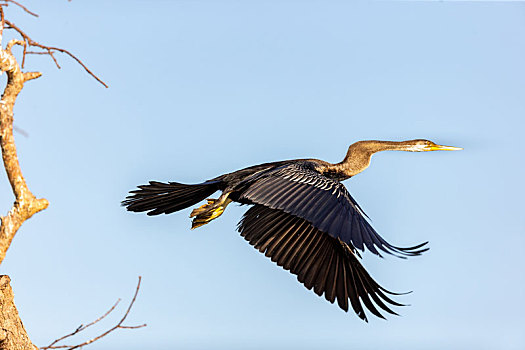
x: 300, y: 190
x: 319, y: 260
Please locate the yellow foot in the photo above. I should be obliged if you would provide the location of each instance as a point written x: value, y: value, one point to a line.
x: 203, y: 208
x: 207, y: 212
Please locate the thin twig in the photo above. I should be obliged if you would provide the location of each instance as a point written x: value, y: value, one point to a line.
x: 21, y: 6
x: 20, y: 131
x: 83, y: 327
x: 49, y: 50
x: 79, y: 329
x: 36, y: 53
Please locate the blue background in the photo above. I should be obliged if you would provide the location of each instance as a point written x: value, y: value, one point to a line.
x: 200, y: 88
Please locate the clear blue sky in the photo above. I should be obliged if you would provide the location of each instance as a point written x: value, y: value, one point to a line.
x: 199, y: 88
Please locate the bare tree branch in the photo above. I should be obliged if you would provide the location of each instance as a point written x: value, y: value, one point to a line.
x: 82, y: 327
x: 119, y: 325
x: 26, y: 204
x: 49, y: 50
x: 12, y: 333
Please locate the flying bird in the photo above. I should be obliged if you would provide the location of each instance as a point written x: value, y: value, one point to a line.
x: 302, y: 217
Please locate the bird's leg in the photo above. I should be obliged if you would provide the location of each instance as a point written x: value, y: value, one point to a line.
x: 207, y: 212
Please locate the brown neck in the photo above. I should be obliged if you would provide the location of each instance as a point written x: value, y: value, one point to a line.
x: 359, y: 154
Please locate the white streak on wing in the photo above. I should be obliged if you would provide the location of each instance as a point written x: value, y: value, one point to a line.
x: 327, y: 185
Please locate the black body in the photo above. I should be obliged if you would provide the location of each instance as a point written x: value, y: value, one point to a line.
x: 302, y: 218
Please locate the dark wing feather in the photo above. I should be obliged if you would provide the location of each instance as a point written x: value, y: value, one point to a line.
x: 320, y: 261
x: 300, y: 190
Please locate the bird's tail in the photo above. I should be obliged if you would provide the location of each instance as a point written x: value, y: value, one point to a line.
x: 164, y: 198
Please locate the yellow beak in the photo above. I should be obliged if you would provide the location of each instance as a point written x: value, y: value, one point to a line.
x: 444, y: 148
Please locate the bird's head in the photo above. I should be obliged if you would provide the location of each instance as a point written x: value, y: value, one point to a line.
x: 426, y: 146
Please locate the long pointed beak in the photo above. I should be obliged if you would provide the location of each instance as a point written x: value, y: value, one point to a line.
x: 444, y: 148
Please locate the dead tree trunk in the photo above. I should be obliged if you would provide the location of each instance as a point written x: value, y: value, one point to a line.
x: 13, y: 335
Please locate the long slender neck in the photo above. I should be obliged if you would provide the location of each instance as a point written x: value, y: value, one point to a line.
x: 359, y: 154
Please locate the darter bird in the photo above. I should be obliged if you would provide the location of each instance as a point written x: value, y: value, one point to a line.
x: 301, y: 216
